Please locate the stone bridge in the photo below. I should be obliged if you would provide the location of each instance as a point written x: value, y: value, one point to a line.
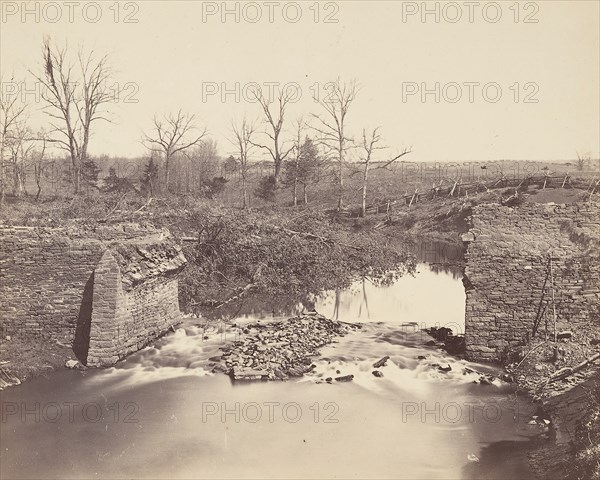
x: 107, y: 291
x: 514, y: 256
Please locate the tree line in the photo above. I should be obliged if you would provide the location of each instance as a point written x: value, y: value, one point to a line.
x: 77, y: 93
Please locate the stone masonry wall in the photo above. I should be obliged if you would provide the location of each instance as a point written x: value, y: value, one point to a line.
x: 123, y: 321
x: 507, y: 262
x: 108, y: 289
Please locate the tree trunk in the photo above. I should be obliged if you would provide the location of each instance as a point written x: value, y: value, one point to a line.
x: 167, y: 159
x: 305, y: 195
x: 75, y: 172
x: 340, y: 173
x: 77, y: 179
x: 2, y: 172
x: 277, y: 173
x: 20, y: 178
x: 38, y: 180
x: 244, y: 193
x: 277, y: 160
x: 363, y: 208
x: 296, y: 192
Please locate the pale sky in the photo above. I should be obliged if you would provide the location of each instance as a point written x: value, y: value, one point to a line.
x: 178, y: 51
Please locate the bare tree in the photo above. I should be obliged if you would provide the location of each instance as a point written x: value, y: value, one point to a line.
x: 582, y: 160
x: 242, y: 139
x: 299, y: 127
x: 332, y: 130
x: 370, y: 144
x: 38, y: 163
x: 12, y: 119
x: 75, y: 94
x: 20, y: 145
x: 26, y: 149
x: 173, y: 134
x: 274, y: 116
x: 28, y: 152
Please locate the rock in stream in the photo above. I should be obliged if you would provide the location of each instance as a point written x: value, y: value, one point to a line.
x: 280, y: 350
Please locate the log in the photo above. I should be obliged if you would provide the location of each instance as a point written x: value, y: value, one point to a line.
x: 144, y: 206
x: 413, y: 197
x: 568, y: 371
x: 312, y: 236
x: 453, y: 187
x: 237, y: 296
x: 381, y: 363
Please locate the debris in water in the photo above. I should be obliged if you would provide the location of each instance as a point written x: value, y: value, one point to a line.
x: 381, y: 363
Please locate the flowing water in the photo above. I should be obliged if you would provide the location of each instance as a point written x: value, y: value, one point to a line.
x: 162, y: 414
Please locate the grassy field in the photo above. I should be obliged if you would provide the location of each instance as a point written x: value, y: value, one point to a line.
x: 396, y: 182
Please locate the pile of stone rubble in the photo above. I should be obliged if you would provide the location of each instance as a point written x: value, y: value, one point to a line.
x: 279, y: 350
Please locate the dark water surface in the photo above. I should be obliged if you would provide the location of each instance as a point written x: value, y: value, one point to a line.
x: 162, y: 414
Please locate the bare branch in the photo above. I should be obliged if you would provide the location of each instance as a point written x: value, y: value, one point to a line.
x: 173, y: 134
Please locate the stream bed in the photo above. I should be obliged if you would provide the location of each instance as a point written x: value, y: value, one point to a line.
x: 162, y: 413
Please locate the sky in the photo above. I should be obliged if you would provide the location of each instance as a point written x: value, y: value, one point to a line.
x: 455, y: 81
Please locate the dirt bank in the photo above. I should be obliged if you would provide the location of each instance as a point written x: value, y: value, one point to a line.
x: 23, y: 358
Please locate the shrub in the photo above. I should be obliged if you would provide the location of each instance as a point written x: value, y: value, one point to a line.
x: 266, y: 188
x: 213, y: 187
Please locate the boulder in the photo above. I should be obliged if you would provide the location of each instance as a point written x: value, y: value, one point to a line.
x: 72, y: 364
x: 249, y: 374
x: 565, y: 335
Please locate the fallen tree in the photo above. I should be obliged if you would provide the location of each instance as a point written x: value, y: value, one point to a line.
x: 568, y: 371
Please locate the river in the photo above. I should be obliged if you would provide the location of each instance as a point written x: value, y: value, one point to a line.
x: 161, y: 413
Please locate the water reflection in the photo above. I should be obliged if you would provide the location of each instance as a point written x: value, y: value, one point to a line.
x: 426, y: 298
x: 441, y: 256
x: 432, y: 296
